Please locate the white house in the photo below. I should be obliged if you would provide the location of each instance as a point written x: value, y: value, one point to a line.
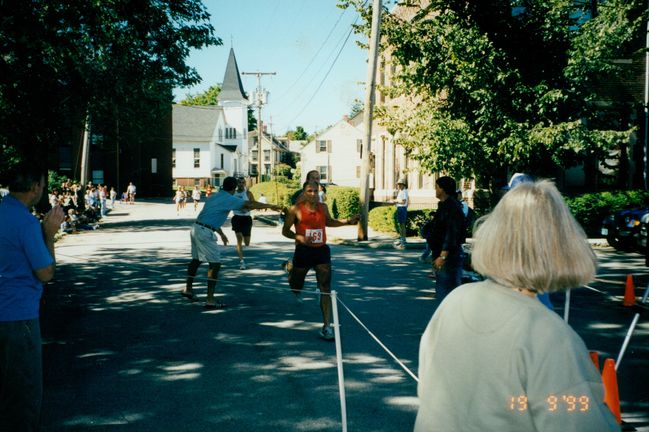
x: 211, y: 142
x: 273, y: 152
x: 336, y: 154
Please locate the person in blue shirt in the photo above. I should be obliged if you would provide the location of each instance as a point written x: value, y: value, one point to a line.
x: 26, y: 263
x: 203, y: 237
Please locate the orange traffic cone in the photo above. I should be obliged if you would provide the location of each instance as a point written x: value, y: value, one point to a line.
x: 594, y: 356
x: 611, y: 393
x: 629, y: 292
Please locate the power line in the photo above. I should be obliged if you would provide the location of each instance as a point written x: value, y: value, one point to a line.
x: 325, y: 77
x: 284, y: 93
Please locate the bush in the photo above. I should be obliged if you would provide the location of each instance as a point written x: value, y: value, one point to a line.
x: 416, y: 219
x: 55, y: 180
x: 592, y: 208
x: 343, y: 201
x: 383, y: 219
x: 275, y: 192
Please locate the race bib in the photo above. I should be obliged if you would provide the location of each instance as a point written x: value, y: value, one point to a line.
x: 316, y: 235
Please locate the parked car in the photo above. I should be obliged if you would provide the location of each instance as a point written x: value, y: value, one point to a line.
x: 622, y: 229
x: 644, y: 229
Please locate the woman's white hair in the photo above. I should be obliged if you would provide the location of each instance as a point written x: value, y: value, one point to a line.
x: 531, y: 240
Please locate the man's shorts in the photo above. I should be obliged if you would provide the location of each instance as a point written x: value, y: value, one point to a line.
x: 242, y: 224
x: 204, y: 246
x: 307, y: 257
x: 402, y: 214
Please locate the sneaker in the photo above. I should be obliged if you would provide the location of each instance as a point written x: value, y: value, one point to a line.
x: 327, y: 333
x: 242, y: 265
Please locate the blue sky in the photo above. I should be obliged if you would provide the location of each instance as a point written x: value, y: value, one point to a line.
x: 297, y: 39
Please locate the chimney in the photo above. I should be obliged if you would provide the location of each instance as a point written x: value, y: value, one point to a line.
x: 346, y: 118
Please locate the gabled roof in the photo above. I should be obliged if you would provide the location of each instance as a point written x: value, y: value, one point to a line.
x: 194, y: 124
x: 229, y: 147
x: 232, y: 88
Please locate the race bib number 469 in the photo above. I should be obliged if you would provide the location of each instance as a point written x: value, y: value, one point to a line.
x: 316, y: 235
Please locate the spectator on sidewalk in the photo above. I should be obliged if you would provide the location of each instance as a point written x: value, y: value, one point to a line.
x: 26, y: 262
x: 493, y: 355
x: 402, y: 211
x: 446, y: 237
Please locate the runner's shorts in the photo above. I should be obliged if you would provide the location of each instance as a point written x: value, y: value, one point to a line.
x: 242, y: 224
x: 307, y: 257
x: 204, y: 246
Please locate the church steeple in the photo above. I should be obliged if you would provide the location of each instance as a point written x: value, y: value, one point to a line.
x: 232, y: 89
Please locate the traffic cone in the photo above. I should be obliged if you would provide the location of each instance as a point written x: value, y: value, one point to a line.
x: 611, y: 393
x: 629, y: 292
x: 594, y: 356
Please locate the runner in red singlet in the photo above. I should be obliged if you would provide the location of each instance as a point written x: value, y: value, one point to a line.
x: 310, y: 219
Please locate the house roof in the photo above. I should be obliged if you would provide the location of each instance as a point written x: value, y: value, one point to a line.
x: 229, y: 147
x: 232, y: 88
x: 194, y: 123
x: 276, y: 142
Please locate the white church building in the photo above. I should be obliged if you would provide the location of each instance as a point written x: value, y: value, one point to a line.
x: 211, y: 142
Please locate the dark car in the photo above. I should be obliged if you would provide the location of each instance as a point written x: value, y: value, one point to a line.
x: 622, y: 229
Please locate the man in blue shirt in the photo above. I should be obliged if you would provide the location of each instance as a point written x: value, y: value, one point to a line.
x: 203, y: 237
x: 26, y: 262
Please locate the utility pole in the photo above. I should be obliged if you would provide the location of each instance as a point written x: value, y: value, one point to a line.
x: 646, y: 111
x: 260, y: 99
x: 370, y: 85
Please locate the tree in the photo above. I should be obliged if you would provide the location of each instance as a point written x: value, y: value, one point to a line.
x: 357, y: 107
x: 491, y: 87
x: 61, y: 60
x: 299, y: 134
x: 208, y: 97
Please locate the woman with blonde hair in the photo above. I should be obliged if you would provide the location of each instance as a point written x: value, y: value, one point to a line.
x: 493, y: 357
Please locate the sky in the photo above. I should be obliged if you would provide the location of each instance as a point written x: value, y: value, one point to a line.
x: 320, y: 69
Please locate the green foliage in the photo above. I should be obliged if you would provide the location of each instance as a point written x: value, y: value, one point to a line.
x: 92, y: 57
x: 208, y: 97
x: 383, y: 219
x: 416, y: 219
x: 55, y: 180
x: 282, y: 170
x: 489, y: 90
x: 357, y: 107
x: 590, y: 209
x: 8, y: 159
x: 343, y: 201
x: 275, y: 192
x: 298, y: 134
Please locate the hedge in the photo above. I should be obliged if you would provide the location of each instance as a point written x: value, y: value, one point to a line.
x: 275, y: 192
x: 591, y: 209
x: 384, y: 219
x: 343, y: 201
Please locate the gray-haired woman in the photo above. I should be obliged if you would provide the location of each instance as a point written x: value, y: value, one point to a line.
x: 493, y: 357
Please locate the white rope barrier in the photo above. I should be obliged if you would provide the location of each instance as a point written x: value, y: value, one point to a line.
x: 395, y: 358
x: 566, y: 307
x: 629, y: 333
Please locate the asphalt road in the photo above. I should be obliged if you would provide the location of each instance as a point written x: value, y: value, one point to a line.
x: 124, y: 351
